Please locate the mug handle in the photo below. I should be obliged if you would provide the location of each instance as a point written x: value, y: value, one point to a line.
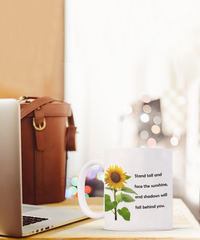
x: 81, y: 189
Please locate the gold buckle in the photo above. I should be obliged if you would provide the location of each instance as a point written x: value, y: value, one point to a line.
x: 41, y: 127
x: 22, y: 99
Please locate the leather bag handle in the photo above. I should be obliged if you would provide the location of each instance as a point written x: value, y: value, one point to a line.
x: 39, y: 101
x: 35, y: 104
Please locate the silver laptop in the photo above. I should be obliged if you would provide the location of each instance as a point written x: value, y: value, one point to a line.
x: 17, y: 219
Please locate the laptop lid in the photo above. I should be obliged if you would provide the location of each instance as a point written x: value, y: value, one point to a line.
x: 10, y: 168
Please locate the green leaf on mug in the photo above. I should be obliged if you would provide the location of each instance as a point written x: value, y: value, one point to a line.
x: 128, y: 190
x: 109, y: 188
x: 124, y: 212
x: 127, y: 177
x: 109, y: 205
x: 119, y: 198
x: 107, y: 198
x: 127, y: 198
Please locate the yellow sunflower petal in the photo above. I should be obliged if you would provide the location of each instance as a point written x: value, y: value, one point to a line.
x: 115, y: 177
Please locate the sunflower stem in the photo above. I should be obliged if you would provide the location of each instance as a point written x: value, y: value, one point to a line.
x: 115, y: 207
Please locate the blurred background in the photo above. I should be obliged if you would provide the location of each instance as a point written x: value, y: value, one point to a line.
x: 132, y: 74
x: 130, y: 69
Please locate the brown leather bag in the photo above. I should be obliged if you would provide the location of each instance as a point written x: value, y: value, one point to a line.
x: 45, y: 142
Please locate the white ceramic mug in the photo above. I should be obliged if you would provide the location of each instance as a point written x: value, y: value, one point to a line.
x: 137, y: 189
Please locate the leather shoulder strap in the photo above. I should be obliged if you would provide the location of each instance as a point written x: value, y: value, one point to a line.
x: 35, y: 104
x: 71, y: 135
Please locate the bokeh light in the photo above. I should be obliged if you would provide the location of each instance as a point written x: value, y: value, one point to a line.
x: 100, y: 176
x: 146, y: 108
x: 86, y: 195
x: 100, y: 169
x: 155, y: 129
x: 67, y: 193
x: 151, y: 142
x: 157, y: 120
x: 177, y: 131
x: 95, y: 173
x: 95, y: 167
x: 176, y: 136
x: 144, y: 117
x: 74, y: 181
x: 144, y: 134
x: 127, y: 109
x: 73, y: 190
x: 174, y: 141
x: 91, y: 174
x: 76, y: 195
x: 146, y: 98
x: 88, y: 189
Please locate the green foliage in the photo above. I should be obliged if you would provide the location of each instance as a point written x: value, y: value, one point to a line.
x: 125, y: 213
x: 127, y: 198
x: 128, y: 190
x: 119, y: 198
x: 127, y: 177
x: 109, y: 205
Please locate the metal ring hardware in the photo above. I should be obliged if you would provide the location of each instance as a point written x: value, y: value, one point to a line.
x: 22, y: 99
x: 41, y: 127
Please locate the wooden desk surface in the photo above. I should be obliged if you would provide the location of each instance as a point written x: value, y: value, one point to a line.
x: 185, y: 225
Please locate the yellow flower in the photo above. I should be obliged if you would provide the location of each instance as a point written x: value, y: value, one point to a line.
x: 115, y: 177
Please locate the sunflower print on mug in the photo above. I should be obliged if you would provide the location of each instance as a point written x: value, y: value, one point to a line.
x: 116, y: 179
